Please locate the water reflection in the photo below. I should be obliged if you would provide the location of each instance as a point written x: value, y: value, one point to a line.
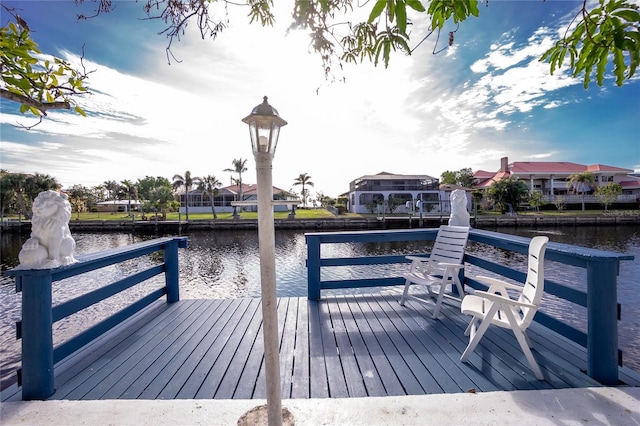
x: 226, y: 265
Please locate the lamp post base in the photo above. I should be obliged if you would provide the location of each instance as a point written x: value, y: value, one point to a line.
x: 257, y: 416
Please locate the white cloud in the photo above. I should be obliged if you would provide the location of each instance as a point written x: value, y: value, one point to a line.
x: 542, y: 155
x: 417, y: 116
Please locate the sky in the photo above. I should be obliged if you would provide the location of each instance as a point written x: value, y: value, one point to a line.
x: 484, y: 98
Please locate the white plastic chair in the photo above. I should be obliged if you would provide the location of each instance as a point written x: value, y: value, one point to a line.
x: 495, y: 306
x: 442, y: 267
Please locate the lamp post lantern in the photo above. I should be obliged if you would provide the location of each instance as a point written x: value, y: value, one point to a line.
x: 264, y: 128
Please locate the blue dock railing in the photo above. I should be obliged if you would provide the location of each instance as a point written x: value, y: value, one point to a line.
x: 600, y: 297
x: 38, y: 313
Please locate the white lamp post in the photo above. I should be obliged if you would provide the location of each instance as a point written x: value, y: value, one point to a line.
x: 264, y: 127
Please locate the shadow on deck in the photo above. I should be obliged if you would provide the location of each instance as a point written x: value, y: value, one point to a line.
x: 340, y: 346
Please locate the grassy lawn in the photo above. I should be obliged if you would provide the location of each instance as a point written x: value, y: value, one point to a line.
x: 300, y: 214
x: 303, y: 214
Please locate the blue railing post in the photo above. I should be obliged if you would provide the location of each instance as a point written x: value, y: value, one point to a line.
x: 172, y: 271
x: 602, y: 321
x: 313, y: 267
x: 37, y: 335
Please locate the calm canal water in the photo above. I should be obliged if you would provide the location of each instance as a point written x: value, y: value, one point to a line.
x: 225, y: 264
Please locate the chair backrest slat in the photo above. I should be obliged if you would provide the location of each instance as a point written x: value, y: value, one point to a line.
x: 534, y: 284
x: 449, y: 245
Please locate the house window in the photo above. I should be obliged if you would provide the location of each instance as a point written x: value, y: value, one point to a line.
x: 371, y: 198
x: 430, y: 201
x: 402, y: 196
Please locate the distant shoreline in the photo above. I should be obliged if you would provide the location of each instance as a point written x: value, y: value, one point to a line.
x: 334, y: 224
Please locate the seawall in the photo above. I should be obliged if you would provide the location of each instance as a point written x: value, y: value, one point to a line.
x: 331, y: 224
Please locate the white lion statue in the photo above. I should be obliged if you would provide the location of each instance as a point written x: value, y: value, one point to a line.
x: 459, y: 214
x: 50, y: 244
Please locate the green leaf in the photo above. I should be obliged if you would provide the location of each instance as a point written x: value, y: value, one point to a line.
x: 620, y: 66
x: 80, y: 111
x: 473, y: 8
x: 602, y: 66
x: 629, y: 15
x: 401, y: 16
x: 618, y: 37
x: 415, y: 5
x: 24, y: 108
x: 377, y: 10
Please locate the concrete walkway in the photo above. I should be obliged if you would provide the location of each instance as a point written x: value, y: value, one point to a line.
x: 588, y: 406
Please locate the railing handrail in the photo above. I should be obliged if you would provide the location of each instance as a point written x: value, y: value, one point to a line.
x: 602, y: 268
x: 38, y: 313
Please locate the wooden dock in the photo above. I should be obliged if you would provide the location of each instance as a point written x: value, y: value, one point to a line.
x: 340, y: 346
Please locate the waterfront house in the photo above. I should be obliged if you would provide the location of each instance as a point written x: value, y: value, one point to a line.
x: 551, y: 177
x: 371, y: 193
x: 118, y: 206
x: 199, y: 201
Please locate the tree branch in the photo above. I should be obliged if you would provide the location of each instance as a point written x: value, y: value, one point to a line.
x: 40, y: 106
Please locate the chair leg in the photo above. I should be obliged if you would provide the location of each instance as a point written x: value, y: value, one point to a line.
x: 405, y: 292
x: 522, y: 340
x: 459, y: 286
x: 524, y: 343
x: 472, y: 325
x: 475, y: 337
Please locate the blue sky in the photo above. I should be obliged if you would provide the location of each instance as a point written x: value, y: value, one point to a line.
x: 485, y: 98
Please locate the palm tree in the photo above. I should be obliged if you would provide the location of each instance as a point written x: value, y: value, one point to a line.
x: 40, y: 182
x: 209, y: 184
x: 185, y: 182
x: 582, y: 182
x: 130, y: 190
x: 17, y: 182
x: 303, y: 179
x: 112, y: 188
x: 239, y: 167
x: 26, y: 188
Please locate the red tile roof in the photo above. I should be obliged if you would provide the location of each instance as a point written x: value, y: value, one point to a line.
x: 605, y: 168
x: 546, y: 167
x: 630, y: 184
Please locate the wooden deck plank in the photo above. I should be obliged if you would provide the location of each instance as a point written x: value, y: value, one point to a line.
x: 160, y: 373
x: 401, y: 361
x: 229, y: 383
x: 341, y: 346
x: 301, y: 374
x: 249, y: 375
x: 215, y: 341
x: 383, y: 367
x: 184, y: 377
x: 167, y: 357
x: 318, y: 380
x: 228, y: 349
x: 446, y: 372
x: 352, y: 375
x: 367, y: 369
x: 335, y: 375
x: 287, y: 347
x: 417, y: 356
x: 447, y: 357
x: 82, y: 384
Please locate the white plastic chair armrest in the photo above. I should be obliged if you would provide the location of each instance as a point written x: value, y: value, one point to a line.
x: 494, y: 281
x: 417, y: 258
x: 502, y: 299
x: 450, y: 265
